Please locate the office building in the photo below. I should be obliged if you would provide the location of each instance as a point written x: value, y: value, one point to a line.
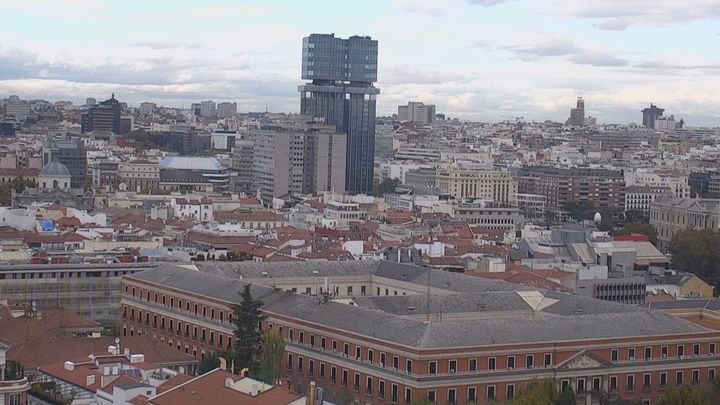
x: 466, y: 182
x: 207, y: 109
x: 577, y: 114
x: 71, y: 153
x: 298, y: 157
x: 395, y: 333
x: 90, y: 101
x: 416, y: 112
x: 605, y: 188
x: 489, y: 215
x: 639, y: 198
x: 103, y: 117
x: 226, y: 110
x: 16, y: 108
x: 342, y: 72
x: 650, y: 115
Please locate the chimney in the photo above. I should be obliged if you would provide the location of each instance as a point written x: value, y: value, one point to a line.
x: 90, y: 380
x: 311, y: 394
x: 69, y: 365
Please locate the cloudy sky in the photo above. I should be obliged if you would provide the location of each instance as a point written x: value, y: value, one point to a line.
x: 484, y: 60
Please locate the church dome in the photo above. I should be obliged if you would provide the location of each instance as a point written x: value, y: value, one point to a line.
x: 55, y: 169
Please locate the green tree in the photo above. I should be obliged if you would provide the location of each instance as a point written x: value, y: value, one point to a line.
x: 697, y: 252
x: 386, y: 186
x: 537, y: 392
x: 345, y: 397
x: 639, y: 227
x: 567, y: 397
x: 210, y: 362
x: 422, y: 401
x: 270, y: 366
x: 248, y: 335
x: 683, y: 395
x: 17, y: 185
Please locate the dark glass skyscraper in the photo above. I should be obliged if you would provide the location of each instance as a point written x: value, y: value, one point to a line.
x: 341, y: 92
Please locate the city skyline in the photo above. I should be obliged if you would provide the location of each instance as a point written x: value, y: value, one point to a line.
x: 619, y: 57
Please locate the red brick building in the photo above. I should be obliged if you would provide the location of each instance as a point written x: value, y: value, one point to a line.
x: 392, y: 333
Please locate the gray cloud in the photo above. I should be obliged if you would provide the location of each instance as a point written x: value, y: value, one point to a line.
x: 487, y: 3
x: 598, y: 59
x: 166, y: 45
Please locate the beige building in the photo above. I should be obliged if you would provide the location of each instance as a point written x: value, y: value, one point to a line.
x: 297, y: 157
x: 139, y: 175
x: 461, y: 182
x: 669, y: 215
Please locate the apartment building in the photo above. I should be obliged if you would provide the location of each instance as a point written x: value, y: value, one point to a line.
x: 466, y: 182
x: 669, y: 215
x: 639, y: 198
x: 489, y: 215
x: 606, y: 188
x: 393, y: 333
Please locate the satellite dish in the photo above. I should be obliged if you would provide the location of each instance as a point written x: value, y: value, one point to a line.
x: 598, y: 218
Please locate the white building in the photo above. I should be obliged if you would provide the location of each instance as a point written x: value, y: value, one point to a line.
x: 200, y: 209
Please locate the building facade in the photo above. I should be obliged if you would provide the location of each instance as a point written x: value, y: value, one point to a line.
x: 139, y: 175
x: 396, y: 344
x: 71, y: 153
x: 639, y: 198
x: 297, y: 157
x: 416, y: 112
x: 605, y: 188
x: 342, y: 93
x: 670, y: 215
x: 104, y: 117
x: 651, y: 115
x: 461, y: 182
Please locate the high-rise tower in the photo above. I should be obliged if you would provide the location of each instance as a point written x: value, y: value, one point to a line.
x: 342, y: 93
x: 650, y: 115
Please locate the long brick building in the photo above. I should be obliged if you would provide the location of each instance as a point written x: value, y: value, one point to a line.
x: 392, y: 333
x: 606, y: 188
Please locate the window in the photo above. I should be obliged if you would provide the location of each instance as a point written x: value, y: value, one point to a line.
x: 362, y: 290
x: 613, y: 384
x: 596, y: 383
x: 370, y: 355
x: 491, y: 392
x: 292, y: 334
x: 312, y: 340
x: 452, y: 366
x: 580, y: 385
x: 696, y: 349
x: 614, y: 355
x: 433, y: 367
x: 511, y: 362
x: 408, y: 395
x: 491, y: 363
x: 711, y: 350
x: 311, y: 367
x: 548, y: 359
x: 680, y: 350
x: 382, y: 359
x: 646, y: 382
x: 452, y: 396
x: 631, y: 383
x: 394, y: 393
x: 529, y: 359
x: 322, y: 343
x: 408, y: 366
x: 679, y: 378
x: 302, y: 337
x: 349, y: 290
x: 356, y: 382
x: 472, y: 394
x: 14, y: 399
x: 333, y: 374
x: 509, y: 391
x: 300, y: 365
x: 357, y: 353
x: 322, y: 370
x: 631, y: 354
x: 663, y: 380
x: 711, y: 374
x: 308, y: 290
x: 472, y: 365
x: 345, y: 378
x: 696, y: 376
x: 368, y: 386
x: 381, y: 389
x: 664, y: 352
x: 346, y: 349
x: 432, y: 396
x: 290, y: 361
x: 648, y: 353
